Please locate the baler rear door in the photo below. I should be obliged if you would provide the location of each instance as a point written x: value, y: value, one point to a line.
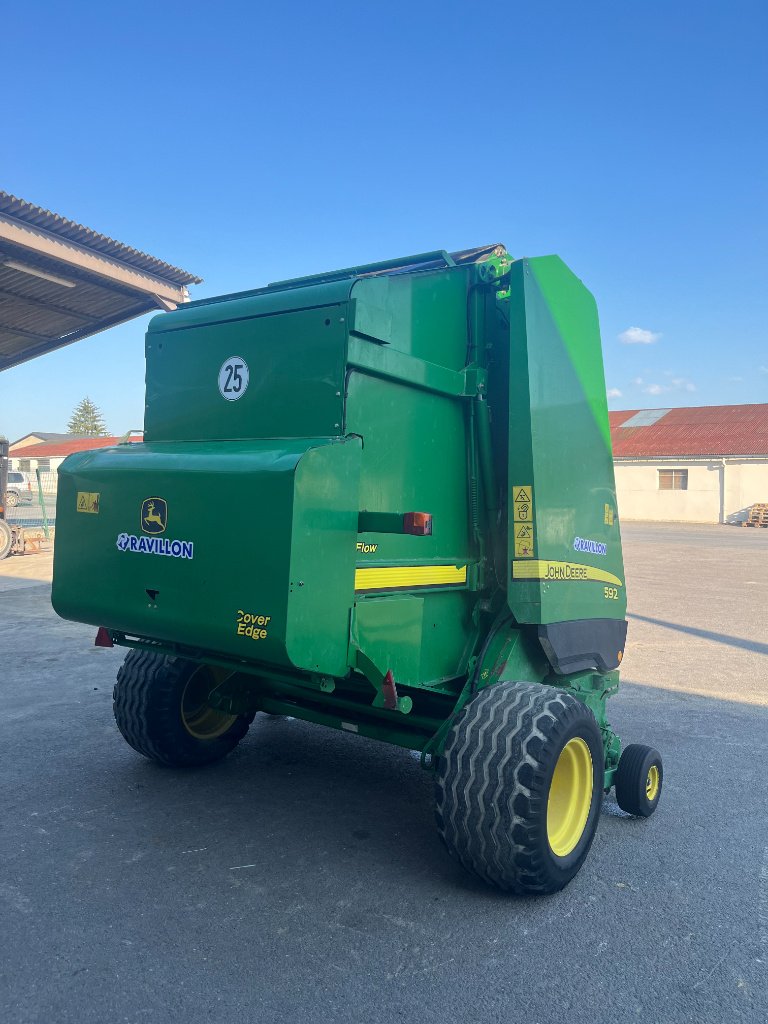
x: 567, y: 571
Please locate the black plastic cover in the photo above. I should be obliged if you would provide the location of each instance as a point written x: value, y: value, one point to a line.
x: 584, y: 644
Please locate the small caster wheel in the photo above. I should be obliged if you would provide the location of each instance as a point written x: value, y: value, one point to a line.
x: 639, y: 780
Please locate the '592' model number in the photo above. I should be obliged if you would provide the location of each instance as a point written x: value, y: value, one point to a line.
x: 611, y: 593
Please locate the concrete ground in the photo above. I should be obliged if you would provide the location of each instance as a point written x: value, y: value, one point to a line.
x: 302, y: 879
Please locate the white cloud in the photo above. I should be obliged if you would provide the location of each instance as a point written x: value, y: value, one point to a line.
x: 614, y: 393
x: 637, y: 380
x: 638, y: 336
x: 735, y: 380
x: 676, y: 384
x: 764, y: 369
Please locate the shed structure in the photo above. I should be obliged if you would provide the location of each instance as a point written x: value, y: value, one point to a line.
x: 60, y: 282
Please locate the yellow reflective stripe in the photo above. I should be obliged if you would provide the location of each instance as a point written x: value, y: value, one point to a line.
x: 539, y: 569
x: 388, y: 577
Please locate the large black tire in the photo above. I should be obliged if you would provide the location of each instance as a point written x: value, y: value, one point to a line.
x: 502, y: 810
x: 159, y: 705
x: 6, y: 539
x: 639, y: 779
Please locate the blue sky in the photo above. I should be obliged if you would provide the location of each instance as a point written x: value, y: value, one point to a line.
x: 248, y: 143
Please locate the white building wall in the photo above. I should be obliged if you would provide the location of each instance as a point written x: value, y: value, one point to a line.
x: 21, y: 464
x: 706, y: 500
x: 746, y: 484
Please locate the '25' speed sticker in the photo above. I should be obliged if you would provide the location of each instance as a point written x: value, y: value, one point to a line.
x: 233, y: 378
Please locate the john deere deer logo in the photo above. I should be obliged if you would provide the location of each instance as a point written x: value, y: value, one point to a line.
x: 154, y: 515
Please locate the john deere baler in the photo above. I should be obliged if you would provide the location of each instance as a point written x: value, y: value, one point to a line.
x: 382, y: 500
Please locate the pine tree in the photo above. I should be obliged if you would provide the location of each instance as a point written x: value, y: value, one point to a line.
x: 87, y: 420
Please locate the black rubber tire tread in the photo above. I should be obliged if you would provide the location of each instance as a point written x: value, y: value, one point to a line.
x: 493, y: 779
x: 6, y: 539
x: 634, y: 764
x: 147, y: 705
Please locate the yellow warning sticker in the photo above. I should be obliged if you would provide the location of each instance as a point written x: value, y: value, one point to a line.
x: 540, y: 569
x: 608, y: 517
x: 523, y: 540
x: 88, y: 501
x: 522, y: 502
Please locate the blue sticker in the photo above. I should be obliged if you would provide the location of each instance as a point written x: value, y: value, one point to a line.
x: 156, y: 546
x: 592, y: 547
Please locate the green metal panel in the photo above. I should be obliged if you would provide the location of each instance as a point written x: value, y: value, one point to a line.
x: 414, y: 460
x: 423, y: 315
x: 560, y: 460
x: 385, y: 361
x: 512, y: 655
x: 448, y: 636
x: 406, y: 434
x: 424, y: 639
x: 244, y: 305
x: 389, y: 630
x: 323, y: 552
x: 273, y: 582
x: 295, y: 384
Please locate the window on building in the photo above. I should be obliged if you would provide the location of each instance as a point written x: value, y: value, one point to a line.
x: 673, y: 479
x: 44, y: 465
x: 23, y: 465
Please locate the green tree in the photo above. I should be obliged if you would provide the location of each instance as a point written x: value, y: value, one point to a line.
x: 87, y: 420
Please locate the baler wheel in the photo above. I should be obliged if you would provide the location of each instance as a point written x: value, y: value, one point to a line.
x: 6, y: 539
x: 639, y: 779
x: 519, y: 787
x: 160, y: 708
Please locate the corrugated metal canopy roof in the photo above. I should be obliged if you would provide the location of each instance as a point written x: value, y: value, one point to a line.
x: 61, y: 281
x: 705, y: 431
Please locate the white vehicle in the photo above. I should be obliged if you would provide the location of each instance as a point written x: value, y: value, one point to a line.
x: 18, y: 489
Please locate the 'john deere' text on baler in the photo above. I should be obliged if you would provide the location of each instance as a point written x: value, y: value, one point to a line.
x: 381, y: 500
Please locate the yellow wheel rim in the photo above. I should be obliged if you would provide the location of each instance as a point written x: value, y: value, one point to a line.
x: 652, y: 783
x: 570, y: 797
x: 200, y: 720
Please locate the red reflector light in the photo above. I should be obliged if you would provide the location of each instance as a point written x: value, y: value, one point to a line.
x: 103, y: 639
x: 390, y: 691
x: 419, y: 524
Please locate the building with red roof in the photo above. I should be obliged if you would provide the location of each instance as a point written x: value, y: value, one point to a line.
x: 47, y: 456
x: 698, y: 465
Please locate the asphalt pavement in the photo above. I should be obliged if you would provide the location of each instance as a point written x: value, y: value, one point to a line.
x: 302, y: 879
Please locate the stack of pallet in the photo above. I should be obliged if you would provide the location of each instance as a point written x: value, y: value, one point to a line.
x: 757, y: 515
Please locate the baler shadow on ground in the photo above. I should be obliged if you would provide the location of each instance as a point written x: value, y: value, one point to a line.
x: 302, y: 877
x: 706, y: 634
